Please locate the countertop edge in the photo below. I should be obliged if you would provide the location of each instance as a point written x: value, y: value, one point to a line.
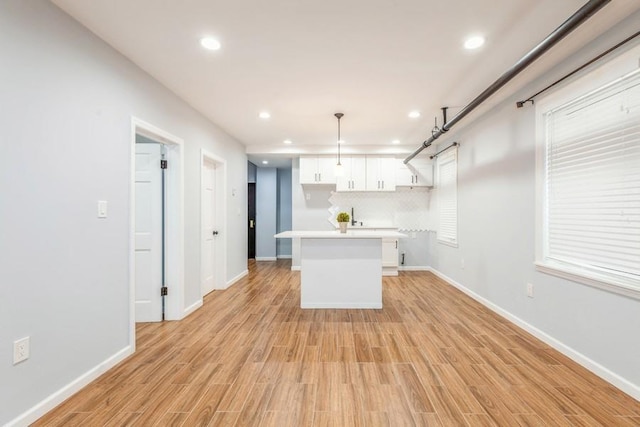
x: 360, y: 234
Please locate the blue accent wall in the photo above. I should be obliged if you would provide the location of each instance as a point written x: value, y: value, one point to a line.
x: 284, y: 212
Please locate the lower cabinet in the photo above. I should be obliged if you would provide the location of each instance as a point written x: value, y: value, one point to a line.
x: 390, y: 257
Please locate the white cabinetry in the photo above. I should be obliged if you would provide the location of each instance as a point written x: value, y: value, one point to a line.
x: 389, y: 257
x: 355, y: 176
x: 381, y: 173
x: 317, y: 170
x: 417, y: 173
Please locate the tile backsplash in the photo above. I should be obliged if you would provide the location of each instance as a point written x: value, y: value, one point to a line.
x: 408, y: 209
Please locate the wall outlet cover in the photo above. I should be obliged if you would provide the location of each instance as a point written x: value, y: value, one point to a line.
x: 20, y: 350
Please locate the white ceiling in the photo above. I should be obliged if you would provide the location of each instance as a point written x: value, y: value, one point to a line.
x: 304, y: 60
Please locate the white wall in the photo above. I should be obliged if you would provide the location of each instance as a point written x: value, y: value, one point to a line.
x: 496, y: 207
x: 310, y: 208
x: 266, y: 213
x: 67, y: 102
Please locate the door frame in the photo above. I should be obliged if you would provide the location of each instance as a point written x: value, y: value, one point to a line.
x: 221, y: 207
x: 174, y: 220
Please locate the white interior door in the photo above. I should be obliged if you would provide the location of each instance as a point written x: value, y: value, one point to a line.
x: 210, y: 231
x: 148, y: 233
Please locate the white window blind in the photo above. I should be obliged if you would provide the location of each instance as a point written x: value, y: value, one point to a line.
x: 592, y: 200
x: 447, y: 181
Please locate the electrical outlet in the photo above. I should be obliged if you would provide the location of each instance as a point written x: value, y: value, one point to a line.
x: 20, y: 350
x: 308, y: 196
x: 530, y: 290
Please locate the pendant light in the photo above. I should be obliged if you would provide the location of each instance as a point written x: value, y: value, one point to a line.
x: 339, y: 170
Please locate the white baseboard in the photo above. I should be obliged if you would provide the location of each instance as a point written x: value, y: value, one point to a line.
x: 238, y: 277
x: 193, y: 307
x: 342, y: 305
x: 295, y: 268
x: 616, y: 380
x: 284, y: 257
x: 40, y: 409
x: 266, y: 258
x: 413, y: 268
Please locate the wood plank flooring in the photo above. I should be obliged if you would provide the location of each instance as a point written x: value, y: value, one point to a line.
x: 431, y: 357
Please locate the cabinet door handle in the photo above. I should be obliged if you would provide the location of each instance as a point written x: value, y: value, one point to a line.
x: 396, y: 244
x: 319, y: 177
x: 416, y: 179
x: 382, y: 184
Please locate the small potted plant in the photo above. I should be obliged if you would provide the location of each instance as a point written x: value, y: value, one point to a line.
x: 343, y: 219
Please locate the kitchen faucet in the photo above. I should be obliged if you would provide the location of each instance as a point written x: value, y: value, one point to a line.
x: 353, y: 220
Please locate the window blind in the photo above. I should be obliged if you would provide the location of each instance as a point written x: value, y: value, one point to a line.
x: 447, y: 167
x: 592, y: 203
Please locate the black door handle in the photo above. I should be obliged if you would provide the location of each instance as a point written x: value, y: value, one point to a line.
x: 215, y: 233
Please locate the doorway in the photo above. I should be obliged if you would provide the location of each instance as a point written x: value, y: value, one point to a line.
x: 252, y: 220
x: 213, y: 223
x: 172, y: 233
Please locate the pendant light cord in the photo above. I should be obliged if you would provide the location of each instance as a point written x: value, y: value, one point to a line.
x: 339, y: 116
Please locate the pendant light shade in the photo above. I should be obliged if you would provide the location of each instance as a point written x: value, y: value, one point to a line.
x: 339, y: 170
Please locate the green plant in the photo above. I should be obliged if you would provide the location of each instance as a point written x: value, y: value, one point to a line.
x: 343, y: 217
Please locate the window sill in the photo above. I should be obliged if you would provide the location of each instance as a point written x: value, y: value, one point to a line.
x: 448, y: 243
x: 621, y: 286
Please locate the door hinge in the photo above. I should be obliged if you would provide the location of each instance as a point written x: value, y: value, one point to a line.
x: 164, y: 291
x: 163, y: 164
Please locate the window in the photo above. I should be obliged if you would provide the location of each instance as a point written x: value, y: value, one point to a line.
x: 591, y: 186
x: 447, y: 181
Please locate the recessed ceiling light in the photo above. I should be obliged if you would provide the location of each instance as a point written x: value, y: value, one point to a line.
x: 265, y: 162
x: 473, y: 42
x: 414, y: 114
x: 395, y: 141
x: 210, y: 43
x: 264, y: 115
x: 287, y: 141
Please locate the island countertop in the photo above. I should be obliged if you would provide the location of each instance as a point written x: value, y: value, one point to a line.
x: 335, y: 234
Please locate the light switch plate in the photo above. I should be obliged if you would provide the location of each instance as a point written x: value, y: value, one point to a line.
x: 530, y: 290
x: 102, y: 208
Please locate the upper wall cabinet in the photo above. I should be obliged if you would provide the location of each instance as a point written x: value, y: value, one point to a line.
x: 317, y: 170
x: 355, y: 176
x: 418, y: 173
x: 381, y: 173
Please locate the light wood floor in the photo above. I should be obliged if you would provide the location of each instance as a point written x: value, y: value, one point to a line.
x: 432, y: 356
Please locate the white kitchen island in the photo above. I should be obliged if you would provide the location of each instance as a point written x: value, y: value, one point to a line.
x: 341, y: 270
